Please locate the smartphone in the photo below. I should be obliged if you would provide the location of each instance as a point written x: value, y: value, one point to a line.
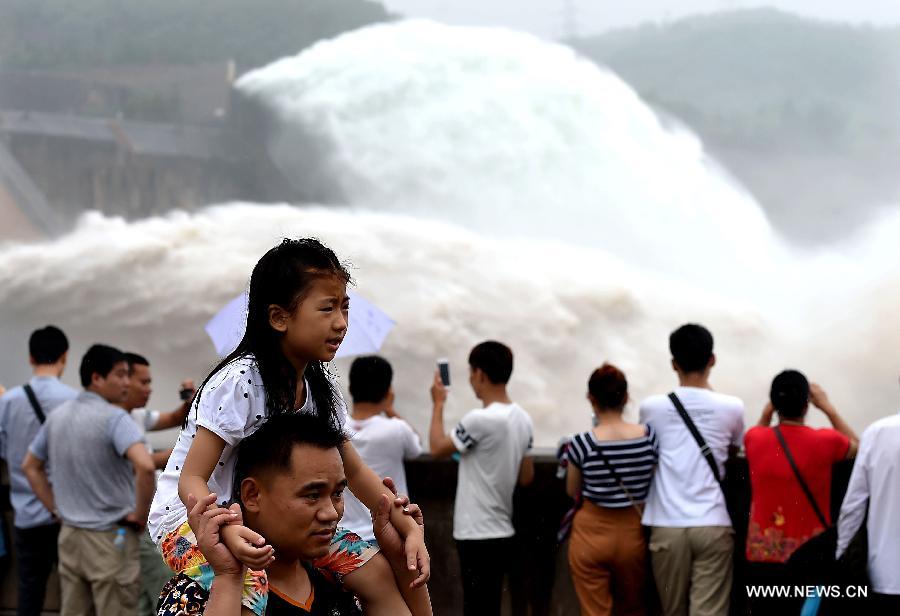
x: 185, y: 394
x: 443, y: 366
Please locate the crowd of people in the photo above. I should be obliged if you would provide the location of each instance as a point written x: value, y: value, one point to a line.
x: 252, y: 512
x: 650, y: 496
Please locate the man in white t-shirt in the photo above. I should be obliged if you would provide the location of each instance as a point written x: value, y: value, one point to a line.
x: 154, y: 572
x: 692, y: 540
x: 492, y: 443
x: 381, y: 437
x: 875, y: 486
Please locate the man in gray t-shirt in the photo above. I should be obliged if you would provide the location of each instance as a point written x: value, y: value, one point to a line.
x: 22, y: 412
x: 102, y: 482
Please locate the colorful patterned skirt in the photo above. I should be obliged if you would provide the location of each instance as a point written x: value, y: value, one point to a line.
x: 347, y: 553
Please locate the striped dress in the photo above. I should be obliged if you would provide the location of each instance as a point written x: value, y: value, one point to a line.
x: 634, y: 461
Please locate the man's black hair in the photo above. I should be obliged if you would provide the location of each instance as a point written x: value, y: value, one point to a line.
x: 692, y: 347
x: 493, y: 358
x: 370, y: 378
x: 790, y: 394
x: 47, y: 345
x: 99, y: 359
x: 271, y: 446
x: 134, y: 359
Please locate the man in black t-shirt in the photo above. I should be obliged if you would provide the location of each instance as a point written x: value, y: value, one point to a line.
x: 183, y: 596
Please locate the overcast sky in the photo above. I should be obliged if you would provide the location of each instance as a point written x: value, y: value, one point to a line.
x: 547, y: 17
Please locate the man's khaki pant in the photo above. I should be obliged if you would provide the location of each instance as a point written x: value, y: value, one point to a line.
x: 96, y: 576
x: 693, y: 569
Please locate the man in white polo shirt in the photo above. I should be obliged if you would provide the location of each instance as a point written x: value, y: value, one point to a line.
x: 692, y: 540
x: 875, y: 482
x: 381, y: 437
x: 492, y: 443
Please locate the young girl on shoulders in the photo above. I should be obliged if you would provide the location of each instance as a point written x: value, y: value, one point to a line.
x: 296, y: 319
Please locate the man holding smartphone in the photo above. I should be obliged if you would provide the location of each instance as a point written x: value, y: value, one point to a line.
x: 139, y: 390
x: 492, y: 442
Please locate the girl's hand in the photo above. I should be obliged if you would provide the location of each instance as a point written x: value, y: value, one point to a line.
x: 247, y: 546
x: 388, y: 538
x: 417, y: 558
x: 402, y: 501
x: 207, y: 522
x: 416, y: 553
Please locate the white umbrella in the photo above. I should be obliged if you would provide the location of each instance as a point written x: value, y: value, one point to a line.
x: 368, y: 326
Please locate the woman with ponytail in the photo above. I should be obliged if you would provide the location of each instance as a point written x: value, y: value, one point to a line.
x: 610, y: 469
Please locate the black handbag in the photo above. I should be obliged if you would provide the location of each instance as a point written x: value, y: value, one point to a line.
x: 814, y: 561
x: 852, y: 568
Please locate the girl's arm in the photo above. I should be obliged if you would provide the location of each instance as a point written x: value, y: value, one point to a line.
x: 208, y: 522
x: 201, y: 459
x: 368, y: 488
x: 417, y: 599
x: 206, y: 449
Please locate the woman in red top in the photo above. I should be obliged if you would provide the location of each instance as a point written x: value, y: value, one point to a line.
x: 781, y: 516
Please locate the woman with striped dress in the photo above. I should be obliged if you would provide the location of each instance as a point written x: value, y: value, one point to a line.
x: 610, y: 469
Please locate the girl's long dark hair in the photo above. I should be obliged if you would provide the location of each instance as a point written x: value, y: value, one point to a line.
x: 283, y: 276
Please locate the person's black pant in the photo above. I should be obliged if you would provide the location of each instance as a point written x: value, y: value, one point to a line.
x: 35, y: 559
x: 884, y: 604
x: 763, y: 574
x: 483, y: 563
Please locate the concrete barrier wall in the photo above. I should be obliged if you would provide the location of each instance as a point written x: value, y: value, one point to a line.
x: 539, y: 583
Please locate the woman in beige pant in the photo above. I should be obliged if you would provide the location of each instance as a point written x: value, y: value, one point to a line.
x: 610, y: 469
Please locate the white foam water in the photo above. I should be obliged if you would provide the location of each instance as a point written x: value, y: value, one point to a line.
x: 511, y: 135
x: 491, y: 186
x: 150, y: 286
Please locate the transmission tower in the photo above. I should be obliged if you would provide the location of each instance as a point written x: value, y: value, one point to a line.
x: 570, y: 20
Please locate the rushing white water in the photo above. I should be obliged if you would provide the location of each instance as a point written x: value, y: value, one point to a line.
x: 150, y: 286
x: 492, y: 186
x: 507, y: 134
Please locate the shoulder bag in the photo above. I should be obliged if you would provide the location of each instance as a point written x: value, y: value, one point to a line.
x: 618, y: 480
x: 814, y: 560
x: 701, y: 442
x: 32, y: 398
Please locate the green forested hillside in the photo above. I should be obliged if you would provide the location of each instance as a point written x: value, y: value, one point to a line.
x: 805, y: 113
x: 758, y: 75
x: 56, y: 34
